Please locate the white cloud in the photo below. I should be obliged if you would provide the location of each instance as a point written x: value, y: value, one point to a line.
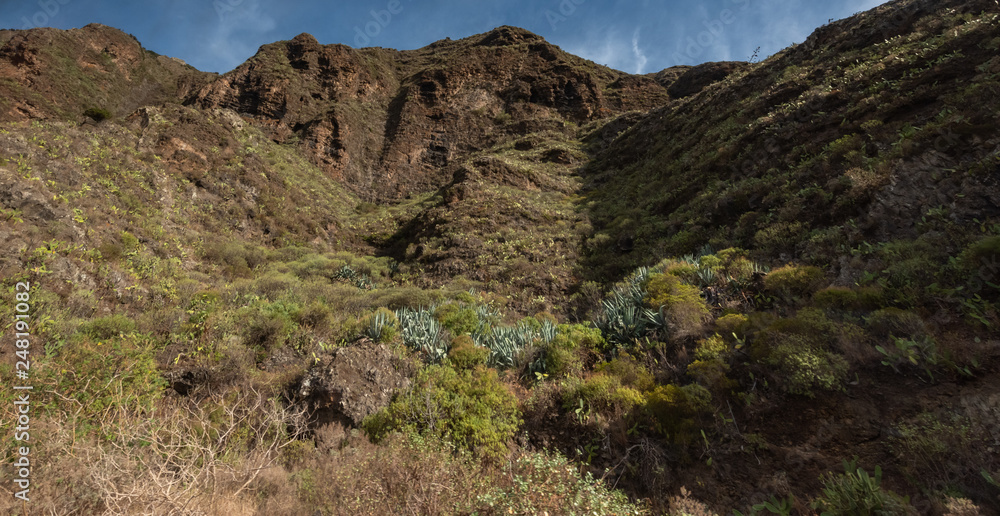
x: 235, y: 38
x: 640, y: 58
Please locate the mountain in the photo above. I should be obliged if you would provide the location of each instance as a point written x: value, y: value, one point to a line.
x: 461, y: 278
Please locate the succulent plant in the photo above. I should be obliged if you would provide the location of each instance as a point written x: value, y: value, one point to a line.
x: 422, y: 332
x: 364, y: 282
x: 506, y: 342
x: 345, y: 272
x: 706, y: 276
x: 622, y: 323
x: 376, y: 325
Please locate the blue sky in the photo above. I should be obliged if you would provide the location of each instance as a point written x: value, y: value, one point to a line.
x: 638, y: 37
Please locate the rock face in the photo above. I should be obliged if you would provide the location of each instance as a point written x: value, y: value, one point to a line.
x: 353, y: 383
x: 387, y: 123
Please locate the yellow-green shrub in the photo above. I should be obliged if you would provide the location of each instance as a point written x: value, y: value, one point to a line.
x: 629, y: 371
x: 836, y: 298
x: 712, y: 348
x: 566, y: 354
x: 730, y: 324
x: 895, y: 322
x: 472, y: 408
x: 604, y: 394
x: 802, y: 367
x: 675, y: 409
x: 108, y: 327
x: 685, y: 271
x: 682, y: 303
x: 794, y: 282
x: 457, y: 319
x: 711, y: 374
x: 465, y: 354
x: 982, y: 253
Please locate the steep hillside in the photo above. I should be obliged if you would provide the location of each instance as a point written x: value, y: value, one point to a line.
x: 474, y: 277
x: 53, y: 74
x: 388, y: 123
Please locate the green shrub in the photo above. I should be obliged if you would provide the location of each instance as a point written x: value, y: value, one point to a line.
x: 836, y: 298
x: 712, y: 348
x: 108, y: 327
x: 676, y: 410
x: 316, y: 315
x: 629, y: 371
x: 732, y: 324
x: 457, y: 319
x: 794, y: 283
x: 896, y: 323
x: 801, y: 367
x: 711, y: 374
x: 870, y: 298
x: 687, y: 272
x: 236, y: 258
x: 856, y: 493
x: 97, y: 114
x: 982, y: 253
x: 560, y: 361
x: 402, y: 297
x: 270, y: 326
x: 275, y: 285
x: 472, y: 408
x: 465, y: 354
x: 604, y: 394
x: 682, y: 304
x: 110, y: 376
x: 810, y: 322
x: 573, y: 344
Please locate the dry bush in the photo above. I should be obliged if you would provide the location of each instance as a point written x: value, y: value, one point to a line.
x: 961, y: 507
x: 190, y: 458
x: 684, y: 505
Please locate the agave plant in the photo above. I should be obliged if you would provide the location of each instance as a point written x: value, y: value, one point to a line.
x: 487, y: 317
x: 548, y: 331
x: 706, y: 276
x: 422, y: 332
x: 505, y: 342
x: 345, y: 272
x: 622, y: 324
x: 364, y: 282
x: 656, y: 319
x: 757, y: 268
x: 376, y: 325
